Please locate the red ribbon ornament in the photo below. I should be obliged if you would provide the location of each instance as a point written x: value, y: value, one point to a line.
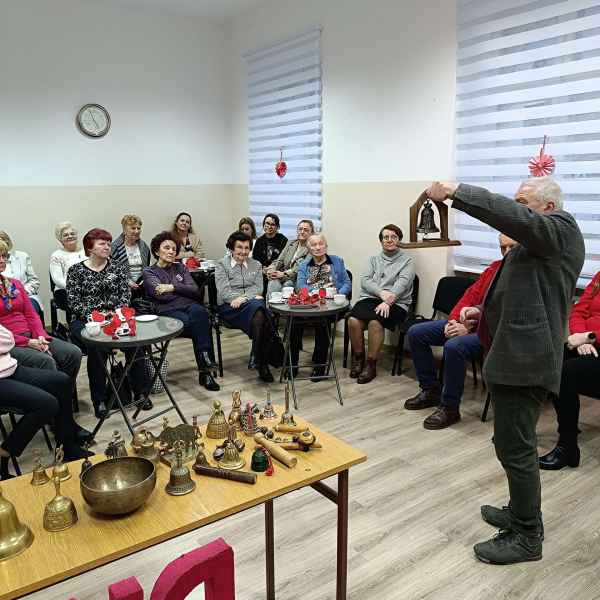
x: 542, y: 165
x: 281, y: 166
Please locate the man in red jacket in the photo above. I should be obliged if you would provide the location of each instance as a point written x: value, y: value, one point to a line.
x: 461, y: 346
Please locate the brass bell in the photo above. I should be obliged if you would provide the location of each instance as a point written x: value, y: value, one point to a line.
x: 287, y: 418
x: 60, y: 512
x: 236, y: 409
x: 217, y: 428
x: 427, y: 221
x: 180, y: 479
x: 87, y: 463
x: 144, y: 445
x: 15, y: 537
x: 60, y: 469
x: 39, y: 475
x: 231, y: 459
x: 269, y: 413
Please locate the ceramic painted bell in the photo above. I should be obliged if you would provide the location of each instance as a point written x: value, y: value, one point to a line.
x: 39, y: 475
x: 217, y: 428
x: 180, y: 479
x: 15, y: 537
x: 60, y: 512
x: 60, y: 469
x: 260, y: 461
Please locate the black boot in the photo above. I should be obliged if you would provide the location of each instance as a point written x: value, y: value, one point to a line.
x: 4, y: 474
x: 208, y: 381
x: 564, y: 455
x: 264, y: 373
x: 208, y: 361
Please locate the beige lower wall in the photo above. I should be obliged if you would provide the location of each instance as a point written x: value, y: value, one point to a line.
x: 353, y: 213
x: 30, y: 213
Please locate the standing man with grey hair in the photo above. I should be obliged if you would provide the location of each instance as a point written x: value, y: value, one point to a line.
x: 522, y: 325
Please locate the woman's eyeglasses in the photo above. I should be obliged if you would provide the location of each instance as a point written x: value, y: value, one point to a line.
x: 390, y: 238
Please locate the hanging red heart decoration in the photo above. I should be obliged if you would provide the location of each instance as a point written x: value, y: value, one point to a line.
x: 542, y: 165
x: 281, y: 166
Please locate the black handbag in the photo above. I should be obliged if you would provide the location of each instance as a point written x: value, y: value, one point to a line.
x: 276, y: 351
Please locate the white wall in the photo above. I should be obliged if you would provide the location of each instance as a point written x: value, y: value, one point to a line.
x: 160, y: 77
x: 389, y: 79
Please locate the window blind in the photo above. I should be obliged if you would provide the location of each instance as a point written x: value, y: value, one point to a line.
x: 526, y: 69
x: 284, y: 114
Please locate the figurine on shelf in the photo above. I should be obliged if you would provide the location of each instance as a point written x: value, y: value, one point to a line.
x: 236, y: 408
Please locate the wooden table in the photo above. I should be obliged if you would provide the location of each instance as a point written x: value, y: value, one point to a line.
x: 97, y: 540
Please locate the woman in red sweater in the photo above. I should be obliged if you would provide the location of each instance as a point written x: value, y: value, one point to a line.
x: 580, y: 375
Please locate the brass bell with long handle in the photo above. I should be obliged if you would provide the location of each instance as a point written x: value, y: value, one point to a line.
x: 15, y: 537
x: 60, y: 513
x: 427, y: 221
x: 180, y: 479
x: 60, y: 469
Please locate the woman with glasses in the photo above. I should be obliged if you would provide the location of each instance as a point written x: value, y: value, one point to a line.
x: 269, y: 246
x: 283, y: 271
x: 64, y: 258
x: 385, y: 295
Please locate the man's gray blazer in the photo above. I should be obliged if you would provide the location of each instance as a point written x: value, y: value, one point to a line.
x: 528, y: 304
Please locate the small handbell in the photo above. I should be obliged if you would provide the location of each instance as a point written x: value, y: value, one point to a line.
x: 217, y: 427
x: 39, y: 475
x: 231, y: 457
x: 60, y: 512
x: 87, y: 463
x: 427, y: 222
x: 180, y: 479
x: 60, y: 469
x: 269, y: 413
x: 287, y: 418
x: 15, y: 537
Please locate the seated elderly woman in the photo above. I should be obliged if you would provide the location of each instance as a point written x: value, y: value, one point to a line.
x: 34, y: 347
x: 239, y: 282
x: 99, y: 283
x: 385, y: 295
x: 189, y: 242
x: 132, y: 251
x: 64, y: 258
x: 18, y: 266
x: 283, y: 271
x: 580, y: 375
x: 319, y: 270
x: 172, y: 289
x: 41, y: 396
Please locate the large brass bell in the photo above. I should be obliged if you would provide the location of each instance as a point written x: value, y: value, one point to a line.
x: 427, y: 221
x: 231, y: 459
x: 217, y: 427
x: 60, y: 469
x: 180, y: 479
x: 60, y: 512
x: 15, y: 537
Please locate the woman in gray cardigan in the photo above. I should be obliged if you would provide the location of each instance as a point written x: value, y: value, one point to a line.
x: 385, y: 295
x: 239, y: 282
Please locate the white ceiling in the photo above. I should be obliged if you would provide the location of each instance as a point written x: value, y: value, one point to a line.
x: 220, y: 10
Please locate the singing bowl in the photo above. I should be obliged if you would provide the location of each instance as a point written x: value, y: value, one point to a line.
x: 118, y: 486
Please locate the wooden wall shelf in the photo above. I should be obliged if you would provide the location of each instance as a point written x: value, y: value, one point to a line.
x: 428, y: 244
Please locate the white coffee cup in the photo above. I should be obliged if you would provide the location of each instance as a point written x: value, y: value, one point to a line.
x: 339, y: 299
x: 331, y: 292
x: 208, y: 264
x: 93, y: 328
x: 276, y: 296
x: 287, y: 291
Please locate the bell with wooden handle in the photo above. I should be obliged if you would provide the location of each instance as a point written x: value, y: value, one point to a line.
x: 427, y: 222
x: 60, y: 513
x: 15, y: 537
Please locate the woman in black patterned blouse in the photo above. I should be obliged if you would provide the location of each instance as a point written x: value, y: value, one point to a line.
x: 99, y: 283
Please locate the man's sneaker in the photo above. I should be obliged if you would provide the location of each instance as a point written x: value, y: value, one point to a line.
x: 424, y: 399
x: 500, y: 518
x: 509, y: 547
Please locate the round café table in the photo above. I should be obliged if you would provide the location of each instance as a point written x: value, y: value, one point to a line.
x: 151, y: 341
x: 328, y: 315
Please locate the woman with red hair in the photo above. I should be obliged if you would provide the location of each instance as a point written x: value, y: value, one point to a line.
x: 580, y: 375
x: 99, y: 283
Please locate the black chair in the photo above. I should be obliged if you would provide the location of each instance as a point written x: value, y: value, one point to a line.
x: 410, y: 315
x: 12, y: 414
x: 448, y: 292
x: 215, y: 321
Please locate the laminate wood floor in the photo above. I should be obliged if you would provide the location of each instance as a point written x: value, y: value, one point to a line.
x: 414, y: 505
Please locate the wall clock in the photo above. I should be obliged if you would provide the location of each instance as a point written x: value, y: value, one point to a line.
x: 93, y: 120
